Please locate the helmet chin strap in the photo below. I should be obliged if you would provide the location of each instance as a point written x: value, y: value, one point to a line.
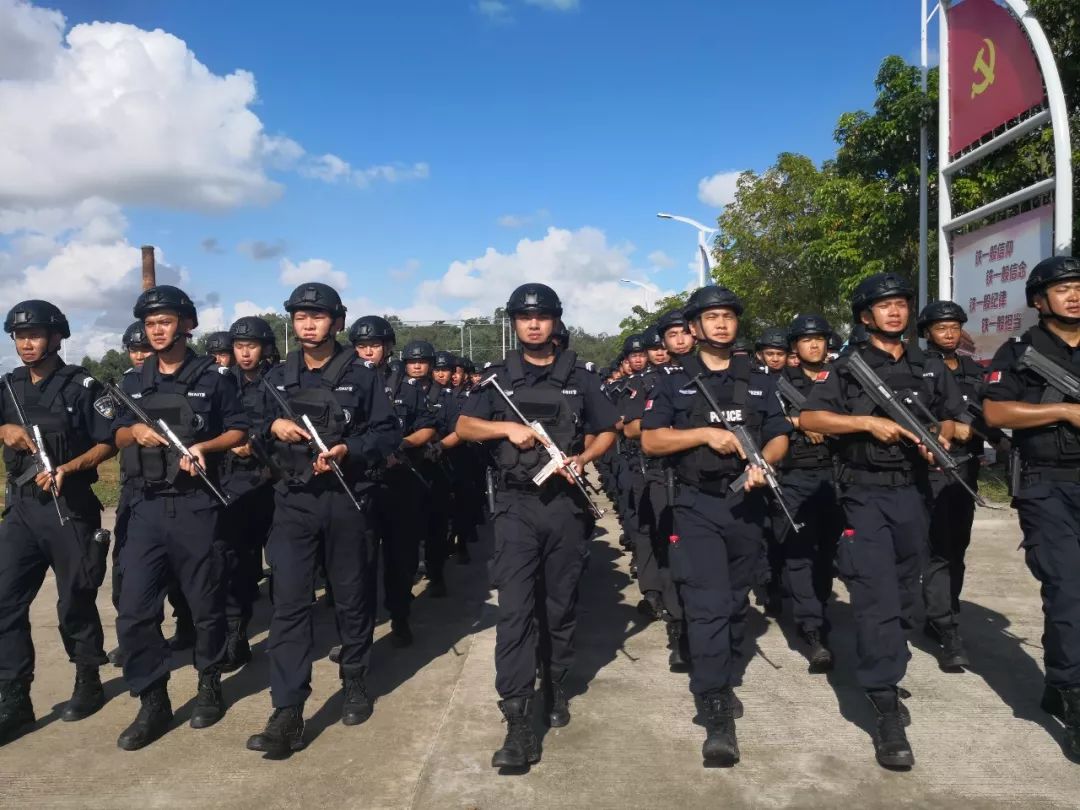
x: 1065, y: 319
x: 716, y: 344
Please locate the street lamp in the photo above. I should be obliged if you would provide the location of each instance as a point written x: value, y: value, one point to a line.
x: 703, y: 246
x: 646, y: 288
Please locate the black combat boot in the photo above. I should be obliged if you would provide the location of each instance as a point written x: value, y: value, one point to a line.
x: 521, y: 748
x: 400, y: 633
x: 358, y: 705
x: 557, y: 704
x: 87, y: 697
x: 335, y: 654
x: 116, y: 658
x: 890, y: 744
x: 16, y: 710
x: 953, y: 655
x: 436, y: 588
x: 721, y: 748
x: 209, y: 704
x: 1070, y: 699
x: 1051, y: 702
x: 679, y: 657
x: 651, y: 606
x: 820, y: 657
x: 154, y: 717
x: 184, y: 639
x: 284, y: 733
x: 237, y: 648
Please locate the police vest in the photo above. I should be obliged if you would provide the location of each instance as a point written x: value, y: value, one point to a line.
x: 293, y: 462
x: 159, y: 467
x: 548, y: 402
x: 47, y: 407
x: 802, y: 453
x: 1054, y: 445
x: 968, y: 375
x: 702, y: 466
x: 245, y: 474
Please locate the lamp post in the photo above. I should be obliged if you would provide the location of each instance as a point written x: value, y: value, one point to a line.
x: 645, y: 290
x: 704, y: 231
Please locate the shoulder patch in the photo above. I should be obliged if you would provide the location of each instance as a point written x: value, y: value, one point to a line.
x: 131, y: 370
x: 222, y: 370
x: 648, y: 404
x: 368, y: 364
x: 105, y: 406
x: 992, y: 377
x: 88, y: 381
x: 488, y: 364
x: 411, y: 381
x: 822, y: 376
x: 590, y: 366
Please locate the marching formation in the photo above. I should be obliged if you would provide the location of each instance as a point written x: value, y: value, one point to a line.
x: 734, y: 468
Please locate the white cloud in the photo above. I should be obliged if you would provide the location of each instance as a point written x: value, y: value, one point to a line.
x: 493, y: 9
x: 293, y: 275
x: 719, y: 189
x: 406, y: 271
x: 29, y: 40
x: 660, y: 259
x: 332, y: 169
x: 261, y: 251
x: 514, y: 221
x: 555, y: 5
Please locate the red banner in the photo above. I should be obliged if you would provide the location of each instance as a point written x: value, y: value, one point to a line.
x: 993, y: 74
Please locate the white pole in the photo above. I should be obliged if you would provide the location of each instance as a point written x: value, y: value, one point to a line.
x: 288, y: 325
x: 706, y: 268
x: 924, y: 203
x: 944, y: 153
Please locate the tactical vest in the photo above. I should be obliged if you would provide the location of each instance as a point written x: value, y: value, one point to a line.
x: 47, y: 407
x: 547, y: 402
x: 249, y: 470
x: 968, y: 376
x: 1056, y: 445
x: 159, y: 467
x: 802, y: 453
x: 293, y: 462
x: 644, y: 383
x: 702, y: 466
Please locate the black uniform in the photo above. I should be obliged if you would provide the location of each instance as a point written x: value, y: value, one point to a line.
x: 31, y: 537
x: 540, y: 532
x: 884, y: 493
x: 174, y: 520
x: 434, y: 466
x: 719, y: 536
x: 315, y: 521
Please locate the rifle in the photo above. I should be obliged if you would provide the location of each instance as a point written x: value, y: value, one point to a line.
x: 1062, y: 383
x: 787, y: 392
x: 896, y: 410
x: 315, y: 443
x: 42, y: 462
x: 489, y: 480
x: 558, y: 457
x: 162, y: 428
x: 750, y: 448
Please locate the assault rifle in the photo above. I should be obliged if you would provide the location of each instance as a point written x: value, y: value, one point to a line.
x: 166, y: 432
x: 42, y: 462
x: 1062, y: 383
x: 750, y: 448
x: 787, y: 392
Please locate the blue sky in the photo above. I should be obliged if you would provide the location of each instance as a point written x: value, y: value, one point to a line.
x: 467, y: 126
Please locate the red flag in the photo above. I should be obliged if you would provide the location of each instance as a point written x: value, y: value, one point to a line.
x: 993, y: 73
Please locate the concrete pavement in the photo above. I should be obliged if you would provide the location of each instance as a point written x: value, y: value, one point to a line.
x: 979, y: 737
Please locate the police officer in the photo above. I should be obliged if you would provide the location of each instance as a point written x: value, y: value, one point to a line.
x: 808, y: 487
x: 37, y: 533
x: 316, y: 519
x: 656, y: 353
x: 540, y: 531
x: 174, y: 522
x: 883, y: 490
x: 675, y: 332
x: 246, y: 477
x: 219, y: 345
x: 718, y: 535
x: 629, y: 452
x: 1046, y: 434
x: 772, y: 348
x: 401, y: 487
x: 941, y: 323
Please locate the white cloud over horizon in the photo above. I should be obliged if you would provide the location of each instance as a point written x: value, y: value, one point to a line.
x: 718, y: 190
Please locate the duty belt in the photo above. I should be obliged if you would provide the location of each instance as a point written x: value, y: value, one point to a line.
x: 880, y: 478
x: 1037, y: 475
x: 720, y: 487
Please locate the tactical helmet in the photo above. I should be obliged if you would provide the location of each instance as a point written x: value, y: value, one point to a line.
x: 252, y: 327
x: 135, y: 337
x: 444, y: 360
x: 534, y: 298
x: 217, y: 342
x: 37, y: 313
x: 941, y: 311
x: 468, y: 365
x: 772, y: 337
x: 711, y: 297
x: 876, y: 287
x: 562, y: 335
x: 671, y: 318
x: 741, y: 345
x: 372, y: 328
x: 652, y: 339
x: 632, y: 344
x: 416, y: 350
x: 317, y: 296
x: 1050, y: 271
x: 165, y: 296
x: 835, y: 343
x: 859, y: 335
x: 803, y: 325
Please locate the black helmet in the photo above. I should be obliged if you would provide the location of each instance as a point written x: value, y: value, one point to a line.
x: 165, y: 296
x: 135, y: 337
x: 562, y: 334
x: 652, y: 338
x: 835, y: 343
x: 941, y: 311
x: 634, y: 343
x: 673, y: 317
x: 534, y: 298
x: 803, y: 325
x: 252, y: 327
x: 468, y: 365
x: 372, y: 328
x: 1050, y: 271
x: 418, y: 350
x: 37, y: 313
x: 217, y: 342
x: 859, y: 335
x: 876, y: 287
x: 711, y: 297
x: 444, y: 360
x: 741, y: 345
x: 773, y: 337
x: 317, y: 296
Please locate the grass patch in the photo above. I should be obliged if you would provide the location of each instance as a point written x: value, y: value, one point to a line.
x: 993, y: 485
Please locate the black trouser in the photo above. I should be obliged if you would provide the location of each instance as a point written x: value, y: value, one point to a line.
x: 32, y: 541
x: 400, y: 505
x: 652, y: 538
x: 951, y: 517
x: 1050, y: 520
x: 467, y: 510
x: 246, y: 526
x: 313, y: 527
x: 170, y: 535
x: 439, y: 504
x: 540, y: 537
x: 809, y: 554
x: 714, y: 561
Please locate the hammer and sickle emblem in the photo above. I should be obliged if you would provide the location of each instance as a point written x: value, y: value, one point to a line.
x: 984, y: 69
